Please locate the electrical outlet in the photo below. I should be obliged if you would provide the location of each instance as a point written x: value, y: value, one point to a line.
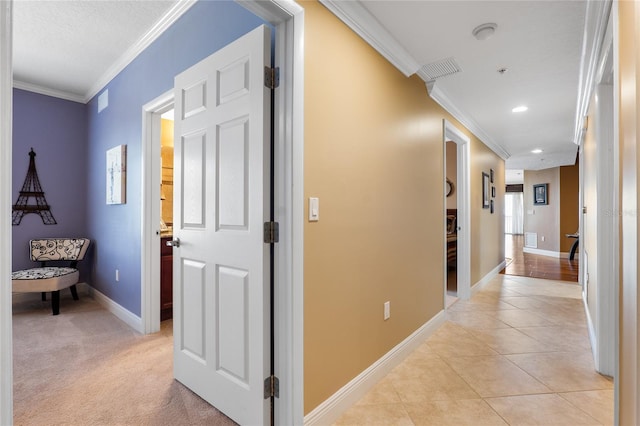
x: 543, y: 238
x: 117, y: 275
x: 387, y: 310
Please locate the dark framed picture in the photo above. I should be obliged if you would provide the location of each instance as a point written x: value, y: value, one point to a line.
x: 540, y: 194
x: 493, y: 192
x: 486, y: 191
x: 491, y: 207
x: 491, y: 174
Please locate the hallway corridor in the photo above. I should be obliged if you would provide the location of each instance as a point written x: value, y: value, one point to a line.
x: 535, y: 265
x: 517, y: 353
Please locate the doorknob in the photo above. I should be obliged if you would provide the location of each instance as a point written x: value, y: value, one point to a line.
x: 174, y: 243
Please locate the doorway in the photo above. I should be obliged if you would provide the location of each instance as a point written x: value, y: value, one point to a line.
x: 457, y: 223
x: 166, y: 215
x: 152, y: 197
x: 288, y: 203
x: 513, y: 216
x: 451, y: 198
x: 288, y: 19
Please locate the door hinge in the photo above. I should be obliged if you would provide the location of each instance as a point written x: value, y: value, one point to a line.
x: 271, y: 387
x: 271, y: 77
x: 271, y: 232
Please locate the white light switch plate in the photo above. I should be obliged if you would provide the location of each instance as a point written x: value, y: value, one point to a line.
x: 314, y: 209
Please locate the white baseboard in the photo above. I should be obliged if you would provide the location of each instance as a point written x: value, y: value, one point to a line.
x: 550, y: 253
x: 599, y: 359
x: 123, y: 314
x: 485, y: 280
x: 331, y: 409
x: 83, y: 289
x: 592, y: 330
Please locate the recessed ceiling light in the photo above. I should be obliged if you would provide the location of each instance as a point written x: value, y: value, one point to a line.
x: 521, y: 108
x: 484, y: 31
x: 536, y: 151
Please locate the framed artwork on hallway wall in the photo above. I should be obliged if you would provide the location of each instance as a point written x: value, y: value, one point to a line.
x: 486, y: 190
x: 540, y: 194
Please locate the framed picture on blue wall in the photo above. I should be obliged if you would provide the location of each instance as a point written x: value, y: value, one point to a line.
x: 540, y: 194
x: 116, y: 176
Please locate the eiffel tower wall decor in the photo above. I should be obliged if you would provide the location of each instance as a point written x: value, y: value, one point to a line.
x: 32, y: 189
x: 117, y: 175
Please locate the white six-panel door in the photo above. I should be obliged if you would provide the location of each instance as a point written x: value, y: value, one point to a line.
x: 221, y: 267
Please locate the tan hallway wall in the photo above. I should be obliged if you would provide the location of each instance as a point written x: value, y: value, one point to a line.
x: 374, y: 156
x: 487, y: 230
x: 629, y: 345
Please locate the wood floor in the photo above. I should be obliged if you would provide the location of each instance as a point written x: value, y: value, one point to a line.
x: 537, y: 266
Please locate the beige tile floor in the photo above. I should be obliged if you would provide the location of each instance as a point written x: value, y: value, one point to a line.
x: 517, y: 353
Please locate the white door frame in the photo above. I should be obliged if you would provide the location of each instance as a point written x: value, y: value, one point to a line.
x: 607, y: 238
x: 602, y: 325
x: 288, y: 18
x: 151, y: 179
x: 463, y: 143
x: 6, y: 100
x: 617, y: 168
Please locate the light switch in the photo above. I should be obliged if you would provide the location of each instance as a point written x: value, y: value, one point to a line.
x: 314, y: 209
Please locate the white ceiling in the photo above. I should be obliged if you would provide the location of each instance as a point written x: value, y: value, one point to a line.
x: 73, y: 48
x: 513, y: 176
x: 539, y: 42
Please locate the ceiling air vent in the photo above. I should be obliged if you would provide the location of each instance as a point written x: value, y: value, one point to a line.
x: 439, y: 69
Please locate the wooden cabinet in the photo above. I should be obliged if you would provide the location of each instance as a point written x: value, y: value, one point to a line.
x: 166, y: 279
x: 452, y: 250
x: 452, y: 238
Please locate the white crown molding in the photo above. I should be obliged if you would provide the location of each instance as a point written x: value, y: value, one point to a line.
x: 130, y: 54
x: 440, y: 96
x: 363, y: 23
x: 17, y: 84
x: 595, y: 30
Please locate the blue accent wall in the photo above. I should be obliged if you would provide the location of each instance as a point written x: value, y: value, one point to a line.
x: 56, y: 129
x: 116, y: 229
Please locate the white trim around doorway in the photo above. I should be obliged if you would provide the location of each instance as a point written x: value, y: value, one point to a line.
x: 150, y: 229
x: 288, y: 18
x: 453, y: 134
x: 6, y: 100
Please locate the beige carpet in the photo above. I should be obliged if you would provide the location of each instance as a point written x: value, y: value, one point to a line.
x: 86, y: 367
